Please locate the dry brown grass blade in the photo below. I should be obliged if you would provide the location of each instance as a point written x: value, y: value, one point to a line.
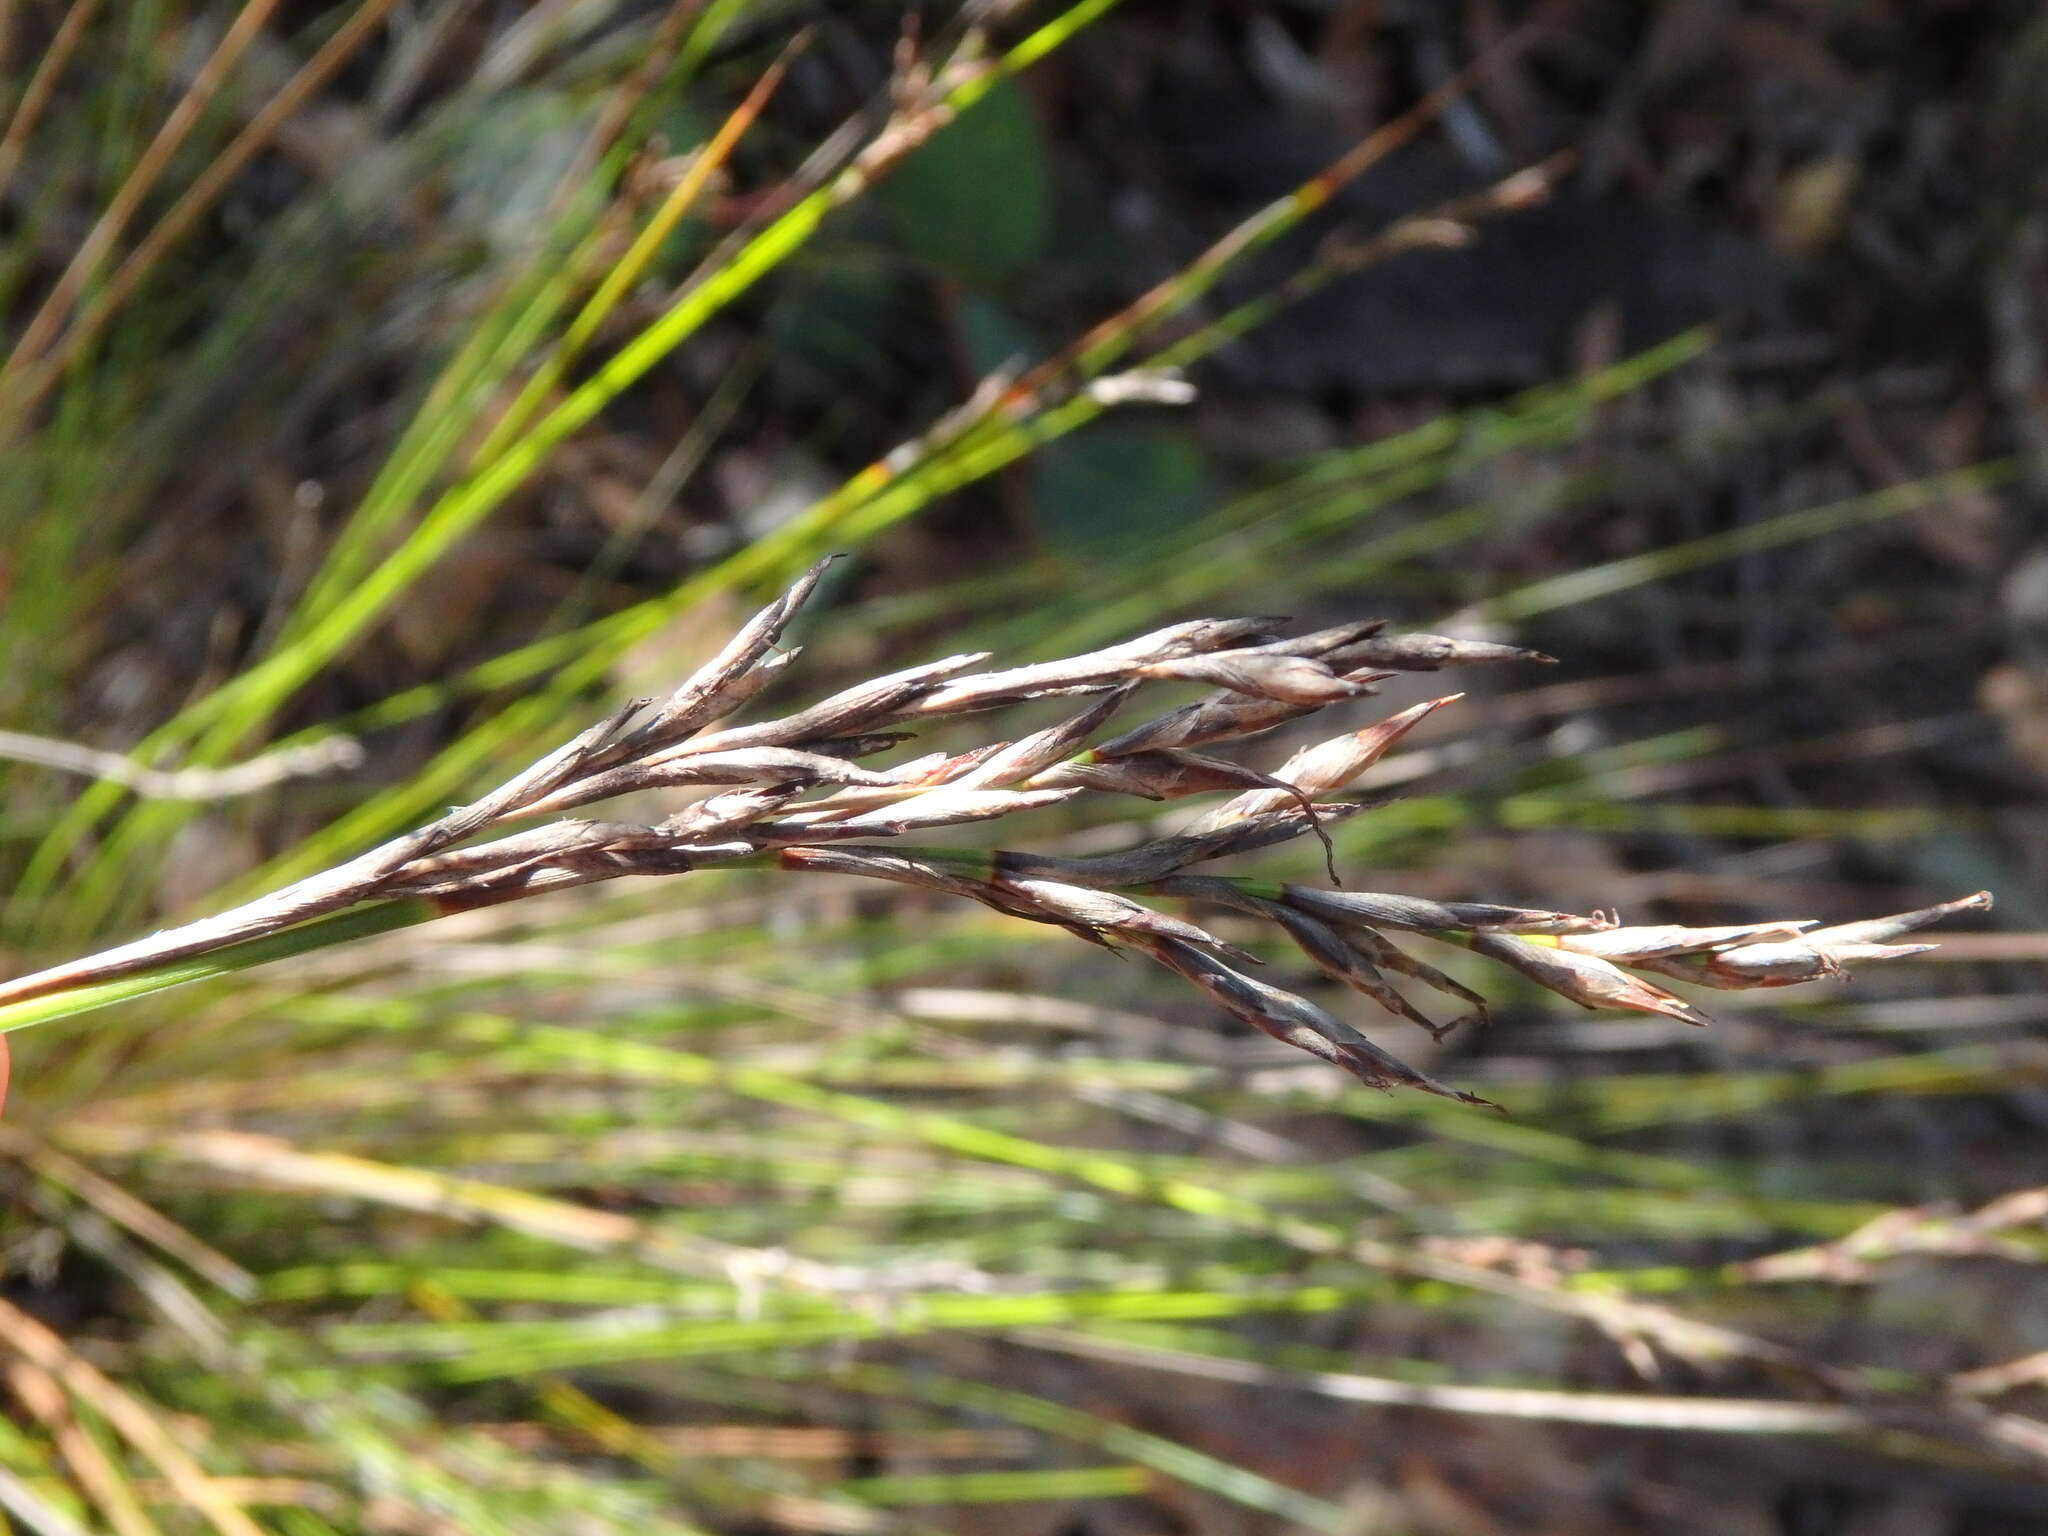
x: 98, y: 1478
x: 125, y: 1210
x: 35, y: 98
x: 1936, y: 1422
x: 141, y: 178
x: 192, y: 204
x: 277, y: 1163
x: 26, y: 1339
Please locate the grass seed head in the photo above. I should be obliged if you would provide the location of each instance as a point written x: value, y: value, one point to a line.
x: 789, y: 793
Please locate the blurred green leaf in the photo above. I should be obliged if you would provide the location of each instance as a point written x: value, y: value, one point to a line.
x: 1127, y: 486
x: 973, y: 202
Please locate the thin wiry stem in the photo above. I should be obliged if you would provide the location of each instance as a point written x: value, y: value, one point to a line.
x: 272, y: 768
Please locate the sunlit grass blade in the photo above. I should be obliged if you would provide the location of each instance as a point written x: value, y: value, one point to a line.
x: 620, y: 276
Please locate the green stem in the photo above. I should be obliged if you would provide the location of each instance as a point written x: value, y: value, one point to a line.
x: 341, y: 928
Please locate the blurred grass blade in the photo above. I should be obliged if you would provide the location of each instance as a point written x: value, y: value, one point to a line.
x: 1597, y: 581
x: 35, y: 96
x: 99, y: 241
x: 192, y: 205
